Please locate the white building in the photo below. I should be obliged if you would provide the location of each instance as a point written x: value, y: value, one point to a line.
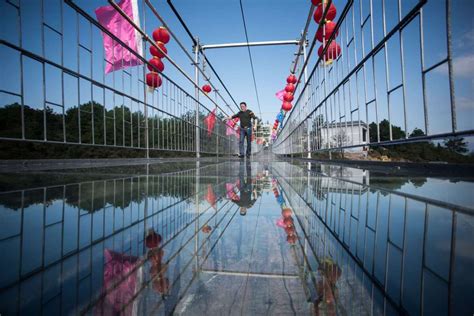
x: 335, y: 135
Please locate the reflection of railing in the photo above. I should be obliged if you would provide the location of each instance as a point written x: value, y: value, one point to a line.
x: 59, y: 234
x: 61, y: 95
x: 392, y: 241
x: 393, y: 76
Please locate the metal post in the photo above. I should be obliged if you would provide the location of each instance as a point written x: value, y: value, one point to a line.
x: 196, y: 94
x: 306, y: 93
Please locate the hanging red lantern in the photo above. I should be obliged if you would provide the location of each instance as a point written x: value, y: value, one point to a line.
x: 329, y: 27
x: 156, y: 52
x: 291, y: 79
x: 161, y: 34
x: 286, y: 106
x: 157, y: 63
x: 153, y: 80
x: 333, y: 51
x: 288, y: 97
x: 206, y: 88
x: 330, y: 16
x: 290, y: 88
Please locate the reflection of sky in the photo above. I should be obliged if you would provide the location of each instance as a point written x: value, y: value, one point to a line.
x: 220, y: 22
x: 458, y: 193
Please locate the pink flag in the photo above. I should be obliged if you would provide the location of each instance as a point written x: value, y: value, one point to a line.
x: 117, y: 56
x: 231, y: 124
x: 280, y: 94
x: 210, y: 121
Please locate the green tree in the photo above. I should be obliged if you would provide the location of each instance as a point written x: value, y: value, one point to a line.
x: 456, y: 145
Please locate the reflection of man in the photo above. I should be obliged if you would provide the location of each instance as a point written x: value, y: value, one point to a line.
x: 248, y: 195
x: 326, y: 286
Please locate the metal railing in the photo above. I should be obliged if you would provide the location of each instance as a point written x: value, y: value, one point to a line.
x: 59, y: 94
x: 387, y: 238
x: 393, y: 83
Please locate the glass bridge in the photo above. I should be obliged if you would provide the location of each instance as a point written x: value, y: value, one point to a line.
x: 234, y: 237
x: 120, y: 193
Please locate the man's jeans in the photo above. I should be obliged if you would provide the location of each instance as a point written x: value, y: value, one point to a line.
x: 245, y: 132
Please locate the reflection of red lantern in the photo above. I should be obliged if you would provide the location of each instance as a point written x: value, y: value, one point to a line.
x: 286, y: 106
x: 161, y: 34
x: 290, y: 88
x: 153, y: 239
x: 157, y: 63
x: 290, y: 230
x: 331, y: 15
x: 291, y: 79
x: 156, y: 52
x: 288, y: 97
x: 329, y: 27
x: 206, y: 88
x: 286, y: 212
x: 153, y: 80
x: 288, y: 222
x: 291, y: 239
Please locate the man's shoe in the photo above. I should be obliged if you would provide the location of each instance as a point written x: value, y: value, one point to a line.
x: 241, y: 156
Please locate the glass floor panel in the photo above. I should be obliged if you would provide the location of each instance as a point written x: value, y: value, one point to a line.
x: 234, y: 238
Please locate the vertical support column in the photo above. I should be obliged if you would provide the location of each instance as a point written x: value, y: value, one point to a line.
x: 144, y: 90
x: 450, y: 65
x: 306, y: 95
x: 196, y: 95
x: 196, y: 222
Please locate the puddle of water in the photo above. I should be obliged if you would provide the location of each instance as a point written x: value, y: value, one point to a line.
x: 232, y: 238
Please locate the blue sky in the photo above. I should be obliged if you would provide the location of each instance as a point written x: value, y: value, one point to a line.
x: 218, y: 21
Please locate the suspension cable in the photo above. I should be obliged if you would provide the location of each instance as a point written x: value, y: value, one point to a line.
x: 250, y: 57
x: 147, y: 38
x: 152, y: 8
x: 193, y: 39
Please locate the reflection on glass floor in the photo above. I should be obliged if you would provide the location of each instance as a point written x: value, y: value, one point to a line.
x: 231, y: 238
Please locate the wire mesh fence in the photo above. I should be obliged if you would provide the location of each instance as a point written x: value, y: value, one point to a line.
x: 55, y: 90
x: 397, y: 80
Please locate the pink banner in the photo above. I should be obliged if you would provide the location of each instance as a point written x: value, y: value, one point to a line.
x: 210, y: 121
x: 280, y: 94
x: 117, y: 56
x: 231, y: 126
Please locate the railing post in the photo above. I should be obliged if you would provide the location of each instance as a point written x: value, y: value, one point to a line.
x: 306, y: 93
x: 196, y: 94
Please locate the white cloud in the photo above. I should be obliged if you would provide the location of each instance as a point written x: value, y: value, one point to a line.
x: 464, y: 66
x: 465, y: 103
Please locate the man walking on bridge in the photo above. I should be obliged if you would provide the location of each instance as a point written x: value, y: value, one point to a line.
x: 245, y: 116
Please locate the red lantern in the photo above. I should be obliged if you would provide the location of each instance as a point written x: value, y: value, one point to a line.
x: 288, y: 97
x: 153, y: 80
x: 157, y: 63
x: 333, y: 51
x: 329, y: 27
x: 286, y: 106
x: 291, y: 79
x: 161, y: 34
x: 156, y: 52
x: 331, y: 15
x: 290, y: 88
x: 206, y: 88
